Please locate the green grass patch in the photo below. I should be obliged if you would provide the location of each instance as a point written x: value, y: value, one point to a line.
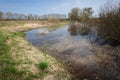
x: 14, y: 34
x: 4, y: 48
x: 8, y: 70
x: 43, y: 65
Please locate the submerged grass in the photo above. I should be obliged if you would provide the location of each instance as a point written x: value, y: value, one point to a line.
x: 84, y: 30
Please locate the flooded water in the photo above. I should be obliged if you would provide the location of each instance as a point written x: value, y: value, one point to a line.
x: 82, y: 57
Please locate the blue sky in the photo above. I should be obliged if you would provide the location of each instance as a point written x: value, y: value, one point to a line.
x: 47, y: 6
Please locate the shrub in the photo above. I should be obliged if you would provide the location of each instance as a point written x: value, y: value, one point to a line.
x: 109, y: 18
x: 43, y: 65
x: 53, y: 20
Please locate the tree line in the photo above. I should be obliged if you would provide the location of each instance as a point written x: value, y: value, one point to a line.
x: 16, y: 16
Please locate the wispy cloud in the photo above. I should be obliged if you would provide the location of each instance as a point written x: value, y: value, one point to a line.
x: 47, y: 6
x: 66, y: 6
x: 63, y: 7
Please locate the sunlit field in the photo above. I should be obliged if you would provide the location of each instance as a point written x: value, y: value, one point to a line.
x: 60, y: 40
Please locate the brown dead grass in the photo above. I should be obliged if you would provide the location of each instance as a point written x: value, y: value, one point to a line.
x: 29, y: 57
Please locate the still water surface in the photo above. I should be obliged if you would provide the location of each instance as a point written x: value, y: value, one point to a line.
x: 79, y: 53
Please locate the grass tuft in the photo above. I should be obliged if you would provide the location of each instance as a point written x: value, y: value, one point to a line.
x: 43, y: 65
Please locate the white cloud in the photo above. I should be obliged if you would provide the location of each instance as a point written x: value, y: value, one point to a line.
x: 65, y: 6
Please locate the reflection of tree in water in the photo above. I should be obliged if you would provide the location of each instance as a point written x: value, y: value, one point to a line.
x: 74, y: 29
x: 80, y: 29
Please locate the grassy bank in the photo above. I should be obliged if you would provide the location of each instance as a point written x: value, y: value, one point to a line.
x: 20, y: 60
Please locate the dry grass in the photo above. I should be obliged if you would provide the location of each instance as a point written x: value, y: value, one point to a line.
x: 22, y: 25
x: 53, y: 20
x: 28, y: 57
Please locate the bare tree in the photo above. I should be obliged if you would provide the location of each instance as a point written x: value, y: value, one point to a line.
x: 86, y: 14
x: 109, y: 19
x: 74, y: 14
x: 1, y: 14
x: 9, y: 15
x: 35, y: 17
x: 77, y: 14
x: 30, y: 17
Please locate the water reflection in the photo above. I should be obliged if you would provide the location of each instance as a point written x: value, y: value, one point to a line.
x: 83, y: 59
x: 80, y: 29
x: 73, y: 30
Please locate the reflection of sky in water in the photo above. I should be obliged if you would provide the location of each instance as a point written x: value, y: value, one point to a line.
x: 37, y: 38
x: 73, y: 48
x: 60, y: 40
